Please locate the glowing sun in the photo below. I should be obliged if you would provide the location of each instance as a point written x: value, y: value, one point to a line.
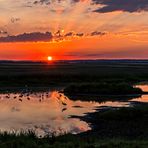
x: 49, y: 58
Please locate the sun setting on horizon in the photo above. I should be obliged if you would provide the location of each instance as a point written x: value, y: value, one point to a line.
x: 71, y: 68
x: 49, y: 58
x: 82, y: 29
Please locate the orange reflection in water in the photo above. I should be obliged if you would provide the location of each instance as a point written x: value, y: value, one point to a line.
x: 144, y: 87
x: 143, y: 98
x: 45, y: 113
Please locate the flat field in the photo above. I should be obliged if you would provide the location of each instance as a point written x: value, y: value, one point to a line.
x: 65, y: 72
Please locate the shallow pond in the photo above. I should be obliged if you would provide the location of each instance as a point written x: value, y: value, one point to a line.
x: 48, y: 112
x: 143, y: 98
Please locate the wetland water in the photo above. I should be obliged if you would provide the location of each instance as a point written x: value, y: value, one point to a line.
x: 49, y: 112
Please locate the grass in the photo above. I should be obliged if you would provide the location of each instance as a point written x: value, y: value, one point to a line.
x: 66, y: 141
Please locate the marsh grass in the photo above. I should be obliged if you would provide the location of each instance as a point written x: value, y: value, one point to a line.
x: 102, y: 91
x: 43, y: 74
x: 113, y: 128
x: 29, y: 140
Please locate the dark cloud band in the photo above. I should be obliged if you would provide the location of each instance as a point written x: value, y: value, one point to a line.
x: 121, y: 5
x: 108, y: 5
x: 46, y: 37
x: 28, y: 37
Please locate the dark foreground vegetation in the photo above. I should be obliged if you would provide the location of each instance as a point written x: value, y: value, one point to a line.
x: 112, y: 128
x: 124, y: 122
x: 67, y: 141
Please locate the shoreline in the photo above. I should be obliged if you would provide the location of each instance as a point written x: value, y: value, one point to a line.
x: 106, y: 128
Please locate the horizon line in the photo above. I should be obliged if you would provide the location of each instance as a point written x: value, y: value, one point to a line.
x: 105, y: 59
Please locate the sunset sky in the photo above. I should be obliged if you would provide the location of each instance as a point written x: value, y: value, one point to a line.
x: 73, y: 29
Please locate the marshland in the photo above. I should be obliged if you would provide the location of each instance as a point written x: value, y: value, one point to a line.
x: 92, y: 103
